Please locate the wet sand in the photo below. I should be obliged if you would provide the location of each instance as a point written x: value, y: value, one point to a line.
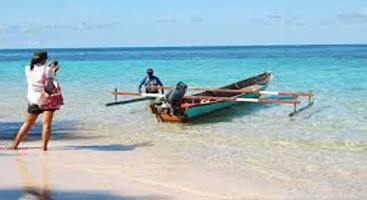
x: 99, y: 169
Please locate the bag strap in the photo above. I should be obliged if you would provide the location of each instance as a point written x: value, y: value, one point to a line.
x: 44, y: 79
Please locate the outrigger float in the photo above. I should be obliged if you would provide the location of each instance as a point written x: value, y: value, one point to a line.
x: 175, y: 106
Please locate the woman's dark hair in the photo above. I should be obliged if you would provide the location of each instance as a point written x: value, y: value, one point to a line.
x: 38, y: 58
x: 33, y: 62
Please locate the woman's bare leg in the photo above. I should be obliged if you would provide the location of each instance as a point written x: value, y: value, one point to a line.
x: 27, y: 125
x: 46, y: 128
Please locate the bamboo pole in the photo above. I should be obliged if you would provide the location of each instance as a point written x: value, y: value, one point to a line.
x: 250, y: 90
x: 254, y: 100
x: 115, y: 94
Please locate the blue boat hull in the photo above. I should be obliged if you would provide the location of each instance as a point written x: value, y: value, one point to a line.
x: 206, y: 108
x: 197, y: 108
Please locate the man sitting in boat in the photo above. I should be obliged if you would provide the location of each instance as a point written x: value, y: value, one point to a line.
x: 151, y: 83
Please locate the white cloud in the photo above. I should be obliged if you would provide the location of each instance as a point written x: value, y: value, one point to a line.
x: 353, y: 18
x: 88, y: 26
x: 280, y: 18
x: 19, y: 27
x: 168, y: 20
x: 25, y: 28
x: 174, y: 19
x: 196, y: 19
x: 364, y: 11
x: 50, y: 26
x: 348, y: 18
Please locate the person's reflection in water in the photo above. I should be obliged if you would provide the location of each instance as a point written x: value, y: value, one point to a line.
x: 30, y: 191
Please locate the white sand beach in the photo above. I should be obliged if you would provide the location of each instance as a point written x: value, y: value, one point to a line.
x: 99, y: 169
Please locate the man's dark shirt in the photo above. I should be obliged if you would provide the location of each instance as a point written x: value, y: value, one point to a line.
x: 150, y: 82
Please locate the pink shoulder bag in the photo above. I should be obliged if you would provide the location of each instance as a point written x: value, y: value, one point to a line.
x: 54, y: 100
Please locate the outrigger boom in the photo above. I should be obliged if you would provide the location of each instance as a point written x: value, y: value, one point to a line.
x: 294, y: 101
x: 253, y: 100
x: 251, y: 90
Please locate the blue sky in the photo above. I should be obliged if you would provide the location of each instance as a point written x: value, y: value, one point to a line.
x: 108, y: 23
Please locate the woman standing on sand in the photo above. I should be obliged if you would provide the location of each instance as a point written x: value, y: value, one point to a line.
x: 39, y: 76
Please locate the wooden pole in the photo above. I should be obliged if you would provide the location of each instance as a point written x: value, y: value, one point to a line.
x: 309, y: 94
x: 250, y: 90
x: 310, y: 97
x: 116, y: 94
x: 138, y: 94
x: 295, y: 106
x: 254, y: 100
x: 127, y: 93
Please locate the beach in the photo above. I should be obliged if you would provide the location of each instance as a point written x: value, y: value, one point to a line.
x: 249, y: 151
x: 117, y: 171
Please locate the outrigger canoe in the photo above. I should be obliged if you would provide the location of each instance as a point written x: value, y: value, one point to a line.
x: 194, y: 108
x: 189, y: 107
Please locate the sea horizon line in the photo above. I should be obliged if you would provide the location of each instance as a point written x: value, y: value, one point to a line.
x: 182, y: 46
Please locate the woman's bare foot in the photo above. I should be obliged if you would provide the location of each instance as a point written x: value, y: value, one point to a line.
x: 12, y: 147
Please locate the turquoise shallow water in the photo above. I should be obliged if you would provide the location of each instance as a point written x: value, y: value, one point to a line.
x: 335, y: 73
x: 262, y: 138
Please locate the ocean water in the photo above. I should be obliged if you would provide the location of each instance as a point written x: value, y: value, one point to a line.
x: 322, y: 152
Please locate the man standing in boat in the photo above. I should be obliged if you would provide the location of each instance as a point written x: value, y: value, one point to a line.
x: 151, y: 83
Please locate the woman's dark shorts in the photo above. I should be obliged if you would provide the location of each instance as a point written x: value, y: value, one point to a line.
x: 36, y: 110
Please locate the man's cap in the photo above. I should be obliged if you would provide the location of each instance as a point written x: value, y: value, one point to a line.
x: 150, y: 70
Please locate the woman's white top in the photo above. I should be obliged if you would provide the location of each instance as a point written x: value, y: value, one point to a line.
x: 34, y: 80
